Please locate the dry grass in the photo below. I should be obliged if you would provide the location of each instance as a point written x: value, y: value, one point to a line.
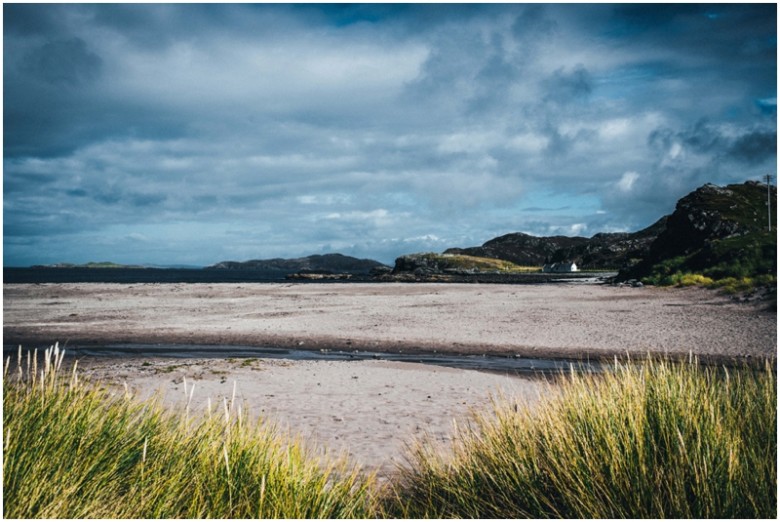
x: 72, y: 450
x: 657, y: 440
x: 649, y: 440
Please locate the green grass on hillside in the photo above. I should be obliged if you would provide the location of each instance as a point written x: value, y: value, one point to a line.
x: 750, y: 260
x: 480, y: 264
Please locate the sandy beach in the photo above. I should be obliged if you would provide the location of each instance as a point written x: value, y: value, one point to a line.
x: 529, y: 320
x: 369, y: 410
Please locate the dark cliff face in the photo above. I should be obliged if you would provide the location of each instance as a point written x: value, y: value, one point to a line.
x: 327, y: 263
x: 711, y: 213
x: 719, y: 231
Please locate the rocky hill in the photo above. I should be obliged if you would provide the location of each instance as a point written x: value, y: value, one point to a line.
x: 716, y: 231
x: 521, y: 249
x: 612, y: 250
x: 600, y: 252
x: 327, y: 263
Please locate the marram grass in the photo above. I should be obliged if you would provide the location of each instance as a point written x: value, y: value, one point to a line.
x: 648, y: 440
x: 654, y: 440
x: 72, y: 450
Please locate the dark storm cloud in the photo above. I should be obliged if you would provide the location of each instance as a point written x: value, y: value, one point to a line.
x: 19, y: 181
x: 745, y: 34
x: 751, y: 146
x: 740, y: 26
x: 564, y: 86
x: 635, y: 19
x: 32, y: 19
x: 755, y: 147
x: 702, y: 137
x: 533, y: 25
x: 284, y: 130
x: 63, y: 63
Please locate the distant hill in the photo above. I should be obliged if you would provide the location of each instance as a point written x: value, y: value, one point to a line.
x: 521, y: 249
x: 326, y: 263
x: 612, y: 250
x: 91, y: 264
x: 602, y: 251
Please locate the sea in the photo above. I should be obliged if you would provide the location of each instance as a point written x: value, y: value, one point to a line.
x: 33, y: 275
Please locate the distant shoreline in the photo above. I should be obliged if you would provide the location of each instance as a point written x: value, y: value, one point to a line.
x: 35, y: 275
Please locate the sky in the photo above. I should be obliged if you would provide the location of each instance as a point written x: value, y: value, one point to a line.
x: 193, y: 134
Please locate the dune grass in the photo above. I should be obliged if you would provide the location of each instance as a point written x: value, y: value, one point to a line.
x: 646, y: 440
x: 72, y: 450
x: 655, y: 440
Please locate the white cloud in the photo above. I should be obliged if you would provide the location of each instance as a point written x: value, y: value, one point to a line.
x: 377, y: 217
x: 528, y: 142
x: 615, y: 128
x: 469, y: 142
x: 675, y: 150
x: 136, y: 236
x: 626, y: 183
x: 578, y: 228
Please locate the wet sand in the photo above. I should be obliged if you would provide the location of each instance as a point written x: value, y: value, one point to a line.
x: 371, y: 409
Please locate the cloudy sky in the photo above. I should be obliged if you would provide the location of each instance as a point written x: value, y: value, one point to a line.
x: 192, y: 134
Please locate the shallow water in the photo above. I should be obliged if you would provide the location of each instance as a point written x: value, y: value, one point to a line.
x: 492, y: 363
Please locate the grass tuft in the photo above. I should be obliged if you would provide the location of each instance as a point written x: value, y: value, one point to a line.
x: 657, y: 440
x: 72, y: 450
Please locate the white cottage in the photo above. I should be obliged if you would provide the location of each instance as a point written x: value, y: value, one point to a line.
x: 559, y: 268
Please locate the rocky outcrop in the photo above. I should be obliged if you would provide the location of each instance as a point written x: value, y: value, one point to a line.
x: 460, y: 268
x: 419, y: 264
x: 710, y: 213
x: 715, y: 230
x: 521, y: 249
